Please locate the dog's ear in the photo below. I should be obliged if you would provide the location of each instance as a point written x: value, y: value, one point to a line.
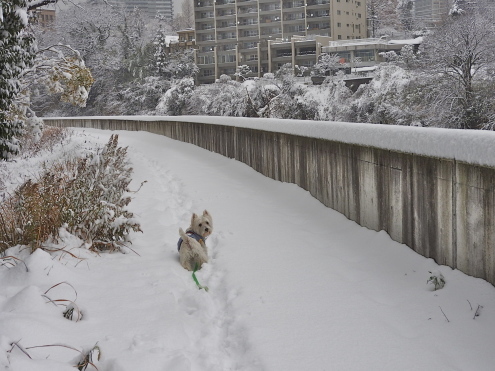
x: 193, y: 217
x: 205, y: 213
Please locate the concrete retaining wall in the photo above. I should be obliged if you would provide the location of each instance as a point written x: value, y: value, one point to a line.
x: 441, y: 208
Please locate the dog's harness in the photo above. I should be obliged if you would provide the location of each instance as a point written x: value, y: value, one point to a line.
x: 192, y: 234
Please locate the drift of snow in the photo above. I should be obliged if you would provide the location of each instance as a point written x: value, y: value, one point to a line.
x: 471, y: 146
x: 293, y: 285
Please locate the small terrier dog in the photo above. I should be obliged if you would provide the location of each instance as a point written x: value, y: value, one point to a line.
x: 192, y: 248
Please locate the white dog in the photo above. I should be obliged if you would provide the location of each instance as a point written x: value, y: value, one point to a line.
x: 192, y: 248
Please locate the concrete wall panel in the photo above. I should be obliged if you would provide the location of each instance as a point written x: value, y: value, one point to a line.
x: 440, y: 208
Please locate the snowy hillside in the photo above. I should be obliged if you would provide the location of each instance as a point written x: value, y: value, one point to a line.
x: 293, y: 285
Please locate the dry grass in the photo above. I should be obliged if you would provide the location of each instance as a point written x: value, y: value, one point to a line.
x: 49, y: 139
x: 87, y: 195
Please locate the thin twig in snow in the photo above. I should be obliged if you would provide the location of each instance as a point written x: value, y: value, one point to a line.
x: 444, y: 313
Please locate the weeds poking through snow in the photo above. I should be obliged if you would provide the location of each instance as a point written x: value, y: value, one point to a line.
x: 89, y: 195
x: 32, y: 145
x: 437, y: 279
x: 16, y: 344
x: 444, y: 314
x: 69, y: 313
x: 478, y: 311
x: 11, y: 261
x: 72, y: 311
x: 90, y: 358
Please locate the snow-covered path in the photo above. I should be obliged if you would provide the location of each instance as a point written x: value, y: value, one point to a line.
x: 293, y: 285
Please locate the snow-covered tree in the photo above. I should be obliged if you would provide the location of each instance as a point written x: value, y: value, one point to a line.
x: 383, y: 17
x: 461, y: 51
x: 185, y: 19
x: 16, y: 54
x: 328, y: 64
x: 161, y: 54
x: 174, y: 101
x: 175, y: 65
x: 242, y: 72
x: 226, y: 97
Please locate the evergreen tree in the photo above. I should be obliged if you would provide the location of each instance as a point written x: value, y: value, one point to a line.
x: 161, y: 55
x: 16, y: 54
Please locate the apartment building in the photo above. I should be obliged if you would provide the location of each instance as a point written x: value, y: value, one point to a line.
x: 230, y: 33
x: 45, y: 17
x: 431, y: 13
x: 185, y: 40
x: 149, y: 8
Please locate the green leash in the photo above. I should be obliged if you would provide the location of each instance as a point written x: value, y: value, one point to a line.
x: 196, y: 280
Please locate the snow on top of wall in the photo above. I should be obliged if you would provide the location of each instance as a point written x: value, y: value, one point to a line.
x: 471, y: 146
x: 417, y: 40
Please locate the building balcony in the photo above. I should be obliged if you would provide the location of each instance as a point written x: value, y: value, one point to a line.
x: 224, y: 16
x: 270, y: 9
x: 286, y: 59
x: 248, y: 26
x: 317, y: 8
x: 219, y: 3
x: 318, y: 2
x: 249, y: 12
x: 226, y: 26
x: 316, y: 17
x: 293, y: 21
x: 204, y: 4
x: 270, y: 22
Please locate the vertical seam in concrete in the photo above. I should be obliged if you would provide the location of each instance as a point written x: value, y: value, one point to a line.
x: 454, y: 214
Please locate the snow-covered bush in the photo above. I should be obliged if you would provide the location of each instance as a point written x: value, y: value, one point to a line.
x: 332, y: 99
x: 225, y: 97
x: 437, y: 280
x: 39, y: 138
x: 97, y: 198
x: 174, y: 101
x: 86, y: 195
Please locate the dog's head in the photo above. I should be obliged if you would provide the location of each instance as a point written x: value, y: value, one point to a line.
x: 202, y: 225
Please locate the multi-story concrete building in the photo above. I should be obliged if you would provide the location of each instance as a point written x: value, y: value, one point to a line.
x: 185, y: 40
x: 431, y: 13
x: 230, y: 33
x: 44, y: 16
x: 149, y: 8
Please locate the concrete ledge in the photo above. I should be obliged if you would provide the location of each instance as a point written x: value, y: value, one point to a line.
x: 440, y: 207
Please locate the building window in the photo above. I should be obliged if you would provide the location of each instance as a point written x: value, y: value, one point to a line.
x: 250, y: 33
x: 339, y: 37
x: 249, y: 45
x: 339, y: 24
x: 365, y: 55
x: 206, y: 59
x: 227, y: 58
x: 338, y: 12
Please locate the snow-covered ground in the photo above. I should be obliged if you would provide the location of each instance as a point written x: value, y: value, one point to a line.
x: 293, y: 285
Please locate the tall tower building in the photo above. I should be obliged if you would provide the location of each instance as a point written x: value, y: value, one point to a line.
x: 431, y: 13
x: 149, y: 8
x: 230, y: 33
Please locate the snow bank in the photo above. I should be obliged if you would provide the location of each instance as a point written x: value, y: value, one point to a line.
x: 471, y: 146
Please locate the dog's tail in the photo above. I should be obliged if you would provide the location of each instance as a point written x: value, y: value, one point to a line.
x: 184, y: 239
